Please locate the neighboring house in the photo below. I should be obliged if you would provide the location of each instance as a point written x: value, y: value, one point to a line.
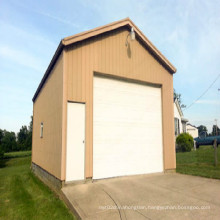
x: 180, y: 123
x: 179, y: 120
x: 104, y: 108
x: 193, y: 130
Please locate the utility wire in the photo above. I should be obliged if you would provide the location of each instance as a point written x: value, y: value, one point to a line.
x: 203, y: 93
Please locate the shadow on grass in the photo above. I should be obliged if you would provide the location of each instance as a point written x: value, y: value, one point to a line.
x: 3, y: 162
x: 17, y: 154
x: 12, y: 155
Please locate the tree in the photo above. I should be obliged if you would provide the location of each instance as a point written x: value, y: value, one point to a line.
x: 1, y: 148
x: 22, y: 137
x: 215, y: 130
x: 1, y: 135
x: 9, y: 142
x: 30, y: 127
x: 178, y: 96
x: 28, y: 142
x: 25, y: 136
x: 1, y: 152
x: 202, y: 130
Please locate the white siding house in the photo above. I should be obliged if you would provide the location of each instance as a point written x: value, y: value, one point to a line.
x: 180, y: 123
x: 193, y: 130
x: 179, y: 120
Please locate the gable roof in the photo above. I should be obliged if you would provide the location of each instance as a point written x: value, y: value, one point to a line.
x: 100, y: 30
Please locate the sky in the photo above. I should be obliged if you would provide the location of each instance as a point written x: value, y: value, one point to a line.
x: 186, y: 32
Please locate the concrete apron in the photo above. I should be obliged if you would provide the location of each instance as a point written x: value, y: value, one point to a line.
x: 161, y: 196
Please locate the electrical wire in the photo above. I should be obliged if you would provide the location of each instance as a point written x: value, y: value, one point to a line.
x: 203, y: 93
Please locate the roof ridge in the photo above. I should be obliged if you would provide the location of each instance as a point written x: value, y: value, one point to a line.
x: 95, y: 29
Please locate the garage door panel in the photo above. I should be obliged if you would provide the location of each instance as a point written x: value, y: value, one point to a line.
x: 127, y: 128
x: 128, y: 118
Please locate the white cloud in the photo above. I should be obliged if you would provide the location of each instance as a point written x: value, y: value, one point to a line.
x: 29, y: 36
x: 21, y: 57
x: 49, y: 15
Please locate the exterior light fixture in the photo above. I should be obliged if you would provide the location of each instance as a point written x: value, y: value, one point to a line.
x: 132, y: 36
x: 41, y: 129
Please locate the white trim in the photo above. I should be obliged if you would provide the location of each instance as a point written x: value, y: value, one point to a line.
x: 178, y: 107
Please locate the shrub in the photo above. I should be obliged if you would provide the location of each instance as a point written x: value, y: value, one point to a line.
x: 184, y: 142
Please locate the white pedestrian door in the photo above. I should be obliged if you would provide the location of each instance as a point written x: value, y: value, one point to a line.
x: 75, y: 152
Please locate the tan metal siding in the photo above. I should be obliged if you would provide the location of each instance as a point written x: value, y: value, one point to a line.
x: 108, y: 54
x: 46, y: 151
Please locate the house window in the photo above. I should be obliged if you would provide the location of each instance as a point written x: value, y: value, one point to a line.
x: 41, y: 129
x: 177, y: 126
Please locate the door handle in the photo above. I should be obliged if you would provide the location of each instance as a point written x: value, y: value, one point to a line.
x: 83, y: 141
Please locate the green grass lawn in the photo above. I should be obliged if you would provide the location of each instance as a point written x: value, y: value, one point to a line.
x: 199, y: 162
x: 24, y: 196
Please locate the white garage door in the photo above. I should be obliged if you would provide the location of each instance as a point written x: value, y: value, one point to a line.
x: 127, y: 128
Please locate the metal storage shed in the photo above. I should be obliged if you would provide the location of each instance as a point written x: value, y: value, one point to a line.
x: 104, y: 107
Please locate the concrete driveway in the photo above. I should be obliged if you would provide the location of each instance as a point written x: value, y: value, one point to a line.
x: 159, y: 196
